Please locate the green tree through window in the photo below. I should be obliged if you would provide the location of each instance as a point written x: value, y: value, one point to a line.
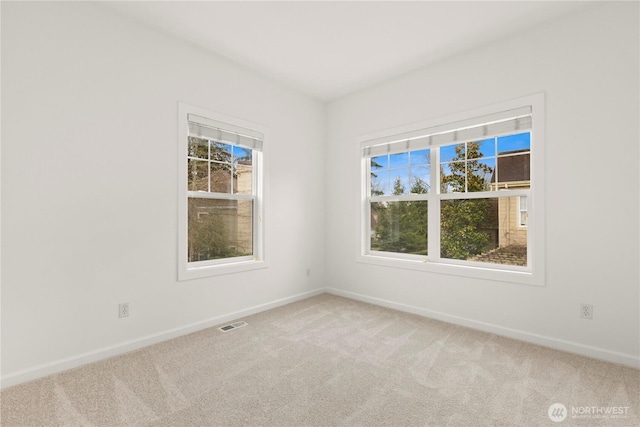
x: 462, y: 221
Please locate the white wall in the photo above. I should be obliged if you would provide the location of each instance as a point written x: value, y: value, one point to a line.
x: 587, y: 65
x: 89, y: 185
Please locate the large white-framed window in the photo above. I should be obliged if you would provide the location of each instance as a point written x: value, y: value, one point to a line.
x: 220, y: 175
x: 459, y: 195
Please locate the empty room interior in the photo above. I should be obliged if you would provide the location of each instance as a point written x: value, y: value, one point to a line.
x: 320, y: 213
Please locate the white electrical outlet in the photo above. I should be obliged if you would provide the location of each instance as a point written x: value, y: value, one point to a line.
x: 586, y: 311
x: 308, y: 272
x: 123, y: 309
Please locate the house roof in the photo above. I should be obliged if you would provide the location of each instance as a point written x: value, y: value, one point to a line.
x: 513, y: 166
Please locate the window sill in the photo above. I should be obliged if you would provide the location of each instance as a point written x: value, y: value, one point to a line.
x: 199, y: 272
x: 476, y: 272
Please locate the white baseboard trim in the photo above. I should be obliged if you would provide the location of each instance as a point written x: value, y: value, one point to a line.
x: 128, y: 346
x: 554, y: 343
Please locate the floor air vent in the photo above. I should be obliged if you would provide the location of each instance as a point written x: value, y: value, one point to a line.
x: 232, y: 326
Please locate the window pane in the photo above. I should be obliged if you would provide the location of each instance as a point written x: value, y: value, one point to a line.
x: 242, y: 156
x: 420, y: 157
x: 480, y: 174
x: 487, y: 148
x: 400, y: 179
x: 518, y: 142
x: 483, y: 230
x: 449, y: 153
x: 478, y: 167
x: 399, y: 227
x: 197, y: 175
x: 400, y: 160
x: 420, y: 177
x: 380, y: 162
x: 219, y: 229
x: 514, y: 171
x: 220, y: 152
x: 453, y: 178
x: 198, y: 147
x: 243, y: 179
x: 220, y: 177
x: 380, y: 183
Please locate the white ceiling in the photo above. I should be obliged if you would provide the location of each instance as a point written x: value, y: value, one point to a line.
x: 328, y: 49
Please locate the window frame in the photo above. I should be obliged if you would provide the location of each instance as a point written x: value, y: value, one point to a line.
x: 200, y: 269
x: 533, y: 274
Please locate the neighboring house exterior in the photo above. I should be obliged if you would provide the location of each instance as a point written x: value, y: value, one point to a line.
x: 513, y: 172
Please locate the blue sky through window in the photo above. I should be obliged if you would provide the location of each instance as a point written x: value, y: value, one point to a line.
x: 242, y: 154
x: 411, y: 165
x: 520, y: 141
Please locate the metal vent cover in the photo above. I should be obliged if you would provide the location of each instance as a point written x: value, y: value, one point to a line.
x: 231, y: 326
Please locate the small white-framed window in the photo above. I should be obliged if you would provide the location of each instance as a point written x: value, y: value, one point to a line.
x: 459, y: 195
x: 220, y: 194
x: 522, y: 213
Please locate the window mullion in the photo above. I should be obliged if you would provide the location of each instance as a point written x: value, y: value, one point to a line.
x: 398, y: 198
x: 485, y: 194
x: 209, y: 165
x: 231, y: 168
x: 433, y: 209
x: 225, y: 196
x: 466, y: 168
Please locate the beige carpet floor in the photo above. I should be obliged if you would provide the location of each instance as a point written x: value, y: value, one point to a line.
x: 331, y: 361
